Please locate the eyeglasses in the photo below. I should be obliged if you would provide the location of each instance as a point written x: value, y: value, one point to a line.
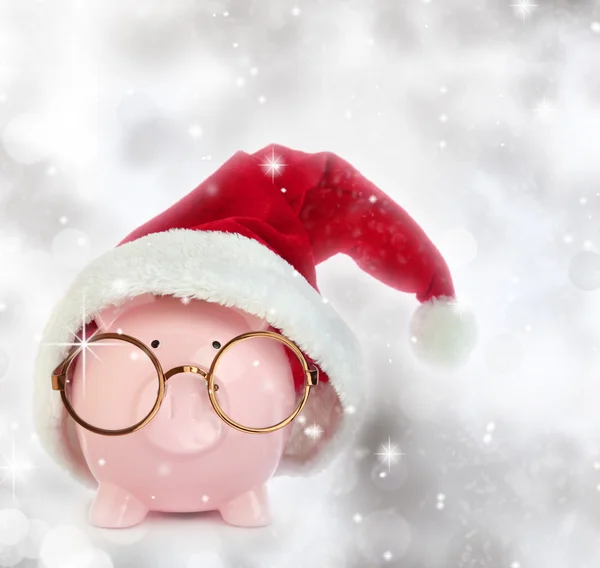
x: 124, y: 349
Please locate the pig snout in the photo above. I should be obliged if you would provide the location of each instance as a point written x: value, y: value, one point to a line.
x: 186, y: 422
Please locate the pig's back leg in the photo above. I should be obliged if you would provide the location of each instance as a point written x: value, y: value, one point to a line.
x: 248, y: 510
x: 115, y: 508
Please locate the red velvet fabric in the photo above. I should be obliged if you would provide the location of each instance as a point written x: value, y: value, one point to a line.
x: 328, y: 208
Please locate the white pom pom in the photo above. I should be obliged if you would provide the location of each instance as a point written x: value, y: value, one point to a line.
x: 443, y: 333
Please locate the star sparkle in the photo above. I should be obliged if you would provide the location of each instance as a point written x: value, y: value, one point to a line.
x: 84, y: 343
x: 524, y: 8
x: 313, y: 431
x: 14, y: 466
x: 272, y: 165
x: 389, y: 454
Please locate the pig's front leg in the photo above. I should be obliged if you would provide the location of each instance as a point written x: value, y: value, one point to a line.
x: 115, y: 508
x: 248, y: 510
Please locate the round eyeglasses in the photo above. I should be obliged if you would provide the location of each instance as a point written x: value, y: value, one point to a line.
x: 251, y: 362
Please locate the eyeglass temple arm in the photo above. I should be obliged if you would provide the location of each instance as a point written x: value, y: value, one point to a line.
x: 58, y: 379
x: 313, y: 377
x: 59, y: 374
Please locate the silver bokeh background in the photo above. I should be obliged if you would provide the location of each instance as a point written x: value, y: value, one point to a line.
x: 480, y: 118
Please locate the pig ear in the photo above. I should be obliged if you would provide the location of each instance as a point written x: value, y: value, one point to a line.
x: 107, y: 317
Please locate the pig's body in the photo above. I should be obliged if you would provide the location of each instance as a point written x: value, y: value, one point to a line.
x: 186, y: 459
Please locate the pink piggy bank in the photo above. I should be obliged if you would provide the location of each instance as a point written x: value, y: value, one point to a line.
x: 198, y: 418
x: 186, y: 458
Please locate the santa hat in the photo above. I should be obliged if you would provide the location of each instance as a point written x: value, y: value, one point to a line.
x: 250, y: 236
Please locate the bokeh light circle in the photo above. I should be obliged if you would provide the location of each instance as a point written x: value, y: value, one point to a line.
x: 344, y: 477
x: 14, y: 526
x: 384, y: 536
x: 389, y: 477
x: 31, y: 545
x: 10, y: 556
x: 92, y: 558
x: 71, y: 248
x: 503, y: 353
x: 62, y: 546
x: 458, y: 246
x: 26, y: 138
x: 584, y: 270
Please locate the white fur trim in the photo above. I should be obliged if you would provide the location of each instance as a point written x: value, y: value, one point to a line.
x: 443, y: 333
x: 225, y: 268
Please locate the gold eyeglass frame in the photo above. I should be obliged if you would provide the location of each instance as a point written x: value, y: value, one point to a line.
x: 59, y: 382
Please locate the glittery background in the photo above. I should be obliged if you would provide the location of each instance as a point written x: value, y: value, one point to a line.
x: 481, y: 118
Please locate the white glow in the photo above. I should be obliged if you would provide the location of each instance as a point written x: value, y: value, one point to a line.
x: 14, y: 468
x: 389, y: 454
x: 524, y: 8
x: 273, y: 165
x: 14, y: 526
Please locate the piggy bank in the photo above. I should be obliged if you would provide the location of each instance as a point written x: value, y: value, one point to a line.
x: 186, y: 458
x: 168, y: 411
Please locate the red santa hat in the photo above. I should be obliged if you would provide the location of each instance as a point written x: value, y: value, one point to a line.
x: 250, y: 236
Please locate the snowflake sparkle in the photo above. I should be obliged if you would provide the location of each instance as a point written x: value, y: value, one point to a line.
x: 273, y: 165
x: 389, y: 454
x: 313, y: 431
x: 14, y: 467
x: 524, y: 8
x: 83, y: 343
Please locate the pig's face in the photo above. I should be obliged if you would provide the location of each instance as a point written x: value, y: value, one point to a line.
x: 186, y: 448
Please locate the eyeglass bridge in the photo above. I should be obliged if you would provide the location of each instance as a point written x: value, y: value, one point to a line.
x: 188, y: 369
